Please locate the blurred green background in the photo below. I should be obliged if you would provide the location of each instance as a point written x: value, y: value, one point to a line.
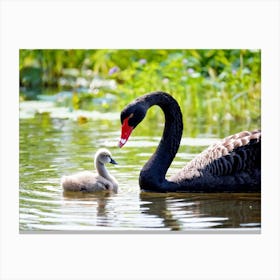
x: 210, y: 85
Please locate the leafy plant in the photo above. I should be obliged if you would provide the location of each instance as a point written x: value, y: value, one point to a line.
x: 210, y: 85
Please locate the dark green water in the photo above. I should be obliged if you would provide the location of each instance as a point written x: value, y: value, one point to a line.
x: 54, y: 146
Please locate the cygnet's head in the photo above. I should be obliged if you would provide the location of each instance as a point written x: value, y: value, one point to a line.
x: 104, y: 156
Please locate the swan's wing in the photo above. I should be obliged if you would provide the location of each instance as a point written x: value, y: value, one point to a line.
x: 236, y: 153
x: 85, y: 181
x: 101, y: 184
x: 245, y: 158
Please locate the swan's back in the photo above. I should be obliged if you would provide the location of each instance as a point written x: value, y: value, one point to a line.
x: 234, y: 162
x: 86, y: 181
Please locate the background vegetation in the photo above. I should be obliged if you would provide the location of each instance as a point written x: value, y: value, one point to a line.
x: 210, y: 85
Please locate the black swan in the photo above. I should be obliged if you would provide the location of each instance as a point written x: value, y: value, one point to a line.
x: 230, y: 165
x: 88, y: 181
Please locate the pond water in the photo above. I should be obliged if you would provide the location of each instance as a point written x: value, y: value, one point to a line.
x: 52, y: 146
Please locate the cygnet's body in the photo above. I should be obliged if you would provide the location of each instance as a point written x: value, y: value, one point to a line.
x: 90, y: 182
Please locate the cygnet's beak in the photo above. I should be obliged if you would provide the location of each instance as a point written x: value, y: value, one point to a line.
x: 113, y: 161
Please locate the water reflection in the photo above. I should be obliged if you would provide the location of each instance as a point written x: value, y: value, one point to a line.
x: 98, y: 200
x: 50, y: 148
x: 183, y: 211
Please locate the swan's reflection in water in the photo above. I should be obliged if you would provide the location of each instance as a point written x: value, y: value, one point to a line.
x: 196, y: 211
x: 98, y: 202
x: 171, y: 211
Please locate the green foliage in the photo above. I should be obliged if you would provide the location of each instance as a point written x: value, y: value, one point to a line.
x: 216, y: 85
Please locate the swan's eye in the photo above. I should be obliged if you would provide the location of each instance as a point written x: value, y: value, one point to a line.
x: 130, y: 118
x: 124, y: 117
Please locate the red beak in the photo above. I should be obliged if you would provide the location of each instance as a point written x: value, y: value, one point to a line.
x: 126, y: 131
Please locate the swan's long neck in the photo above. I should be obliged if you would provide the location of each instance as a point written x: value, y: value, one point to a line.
x: 154, y: 171
x: 102, y: 171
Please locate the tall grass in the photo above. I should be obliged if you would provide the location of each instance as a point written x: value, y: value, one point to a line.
x: 210, y: 85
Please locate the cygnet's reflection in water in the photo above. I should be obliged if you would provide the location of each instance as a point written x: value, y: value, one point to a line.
x: 199, y: 211
x: 98, y: 201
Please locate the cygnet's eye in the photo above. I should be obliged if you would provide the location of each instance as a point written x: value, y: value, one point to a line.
x: 104, y: 158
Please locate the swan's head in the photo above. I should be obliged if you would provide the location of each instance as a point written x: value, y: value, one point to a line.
x: 131, y: 116
x: 104, y: 156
